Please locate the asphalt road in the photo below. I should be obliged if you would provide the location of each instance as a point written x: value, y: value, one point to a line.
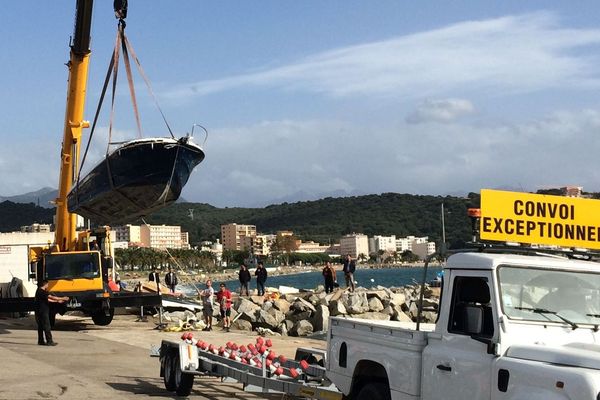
x: 92, y: 362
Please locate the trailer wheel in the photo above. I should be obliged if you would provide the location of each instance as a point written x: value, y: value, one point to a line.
x: 100, y: 318
x: 169, y: 371
x: 374, y: 391
x: 183, y: 382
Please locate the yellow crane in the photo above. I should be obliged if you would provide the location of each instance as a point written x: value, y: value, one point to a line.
x: 79, y: 264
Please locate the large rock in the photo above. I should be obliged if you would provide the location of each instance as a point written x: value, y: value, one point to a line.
x: 247, y: 306
x: 242, y: 325
x: 302, y: 305
x: 249, y: 316
x: 375, y: 304
x: 402, y: 317
x: 278, y: 315
x: 336, y: 307
x: 314, y: 299
x: 282, y: 305
x: 320, y: 320
x: 379, y: 294
x: 357, y: 303
x: 266, y: 320
x: 399, y: 300
x: 298, y: 316
x: 373, y: 315
x: 258, y: 300
x: 301, y: 328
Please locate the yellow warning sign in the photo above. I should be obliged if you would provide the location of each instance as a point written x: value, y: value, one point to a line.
x: 540, y: 219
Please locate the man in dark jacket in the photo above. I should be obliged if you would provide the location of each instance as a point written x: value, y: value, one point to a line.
x: 171, y: 280
x: 244, y: 277
x: 42, y: 312
x: 261, y: 278
x: 155, y: 277
x: 349, y: 268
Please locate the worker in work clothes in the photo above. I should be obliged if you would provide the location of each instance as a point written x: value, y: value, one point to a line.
x: 42, y: 312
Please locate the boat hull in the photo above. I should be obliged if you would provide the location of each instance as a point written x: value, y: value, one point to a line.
x: 138, y: 178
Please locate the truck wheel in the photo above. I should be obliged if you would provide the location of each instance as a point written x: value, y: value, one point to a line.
x: 169, y: 371
x: 100, y: 318
x: 374, y: 391
x: 183, y: 382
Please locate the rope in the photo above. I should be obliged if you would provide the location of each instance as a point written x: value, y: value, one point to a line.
x: 141, y: 70
x: 176, y: 262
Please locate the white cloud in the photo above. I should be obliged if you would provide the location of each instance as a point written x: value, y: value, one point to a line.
x: 328, y: 156
x: 520, y: 53
x: 445, y: 110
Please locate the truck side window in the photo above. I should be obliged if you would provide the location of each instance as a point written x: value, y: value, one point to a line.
x: 470, y: 311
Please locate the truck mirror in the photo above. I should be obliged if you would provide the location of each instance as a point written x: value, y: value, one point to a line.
x: 473, y: 320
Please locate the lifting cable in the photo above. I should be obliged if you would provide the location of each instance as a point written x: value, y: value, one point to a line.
x: 121, y: 42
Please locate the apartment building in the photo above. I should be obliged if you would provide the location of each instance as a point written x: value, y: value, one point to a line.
x: 161, y: 236
x: 354, y: 244
x: 382, y: 243
x: 44, y: 228
x: 128, y: 233
x: 232, y: 235
x: 312, y: 247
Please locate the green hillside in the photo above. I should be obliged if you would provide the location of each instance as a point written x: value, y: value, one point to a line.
x: 327, y: 219
x: 15, y: 215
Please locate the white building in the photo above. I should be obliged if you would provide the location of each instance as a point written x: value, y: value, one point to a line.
x: 354, y: 244
x: 420, y: 246
x: 128, y: 233
x: 383, y: 243
x: 312, y: 247
x: 161, y: 236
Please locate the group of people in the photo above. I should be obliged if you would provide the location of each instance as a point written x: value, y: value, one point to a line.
x: 245, y: 278
x: 223, y: 298
x: 170, y: 279
x: 329, y: 274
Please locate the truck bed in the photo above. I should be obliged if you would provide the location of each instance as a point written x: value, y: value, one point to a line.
x: 381, y: 348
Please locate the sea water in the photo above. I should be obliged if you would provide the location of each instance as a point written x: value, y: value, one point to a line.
x: 368, y: 278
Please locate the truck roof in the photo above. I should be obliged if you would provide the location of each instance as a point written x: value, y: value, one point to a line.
x: 481, y: 260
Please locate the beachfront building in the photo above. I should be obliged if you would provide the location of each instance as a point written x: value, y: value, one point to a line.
x: 185, y: 241
x: 161, y: 236
x: 420, y: 246
x: 36, y: 228
x: 355, y: 244
x: 259, y: 245
x: 386, y: 244
x: 232, y: 235
x: 129, y: 234
x: 312, y: 247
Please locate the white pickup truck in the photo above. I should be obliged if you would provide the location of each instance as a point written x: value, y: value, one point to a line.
x: 509, y: 327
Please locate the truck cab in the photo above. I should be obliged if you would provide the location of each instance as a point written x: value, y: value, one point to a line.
x: 509, y: 326
x: 515, y: 324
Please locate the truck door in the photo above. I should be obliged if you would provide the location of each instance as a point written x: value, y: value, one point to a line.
x: 456, y: 361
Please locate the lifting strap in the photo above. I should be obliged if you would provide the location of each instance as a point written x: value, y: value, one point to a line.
x: 121, y: 42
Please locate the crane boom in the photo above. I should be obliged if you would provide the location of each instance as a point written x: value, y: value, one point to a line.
x: 65, y: 235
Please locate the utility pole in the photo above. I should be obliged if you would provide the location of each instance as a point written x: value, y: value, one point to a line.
x: 443, y: 250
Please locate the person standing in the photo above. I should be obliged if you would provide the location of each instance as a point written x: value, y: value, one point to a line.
x: 349, y: 268
x: 261, y: 278
x: 245, y: 278
x: 171, y: 280
x: 155, y: 277
x: 42, y: 312
x: 329, y: 275
x: 224, y: 299
x: 207, y: 305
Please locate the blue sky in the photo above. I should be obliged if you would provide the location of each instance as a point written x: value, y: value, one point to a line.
x: 309, y: 99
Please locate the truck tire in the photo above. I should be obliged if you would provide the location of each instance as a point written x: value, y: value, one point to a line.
x: 183, y: 382
x: 169, y: 371
x: 374, y: 391
x: 100, y: 318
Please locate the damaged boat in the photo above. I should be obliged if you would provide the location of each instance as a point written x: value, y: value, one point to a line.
x: 137, y: 178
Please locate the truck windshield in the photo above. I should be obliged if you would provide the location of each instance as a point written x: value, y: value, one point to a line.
x: 72, y: 266
x: 550, y: 295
